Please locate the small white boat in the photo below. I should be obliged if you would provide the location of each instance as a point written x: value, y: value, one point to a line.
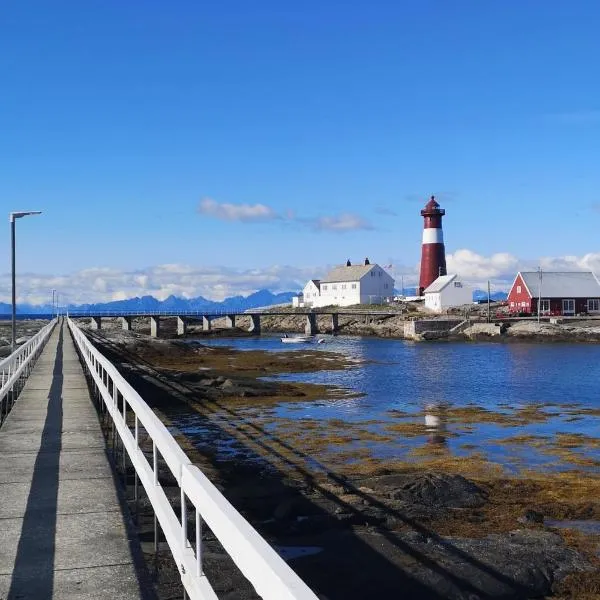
x: 297, y: 339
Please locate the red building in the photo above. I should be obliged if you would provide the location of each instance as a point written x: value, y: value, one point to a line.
x: 566, y: 293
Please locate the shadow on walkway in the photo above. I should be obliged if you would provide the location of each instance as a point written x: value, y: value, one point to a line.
x: 33, y: 574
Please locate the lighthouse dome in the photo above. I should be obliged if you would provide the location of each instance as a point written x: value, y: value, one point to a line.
x: 432, y: 204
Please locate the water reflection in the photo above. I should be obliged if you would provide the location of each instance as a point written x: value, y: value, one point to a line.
x: 429, y: 384
x: 435, y: 423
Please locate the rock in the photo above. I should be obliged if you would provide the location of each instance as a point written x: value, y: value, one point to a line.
x: 520, y: 564
x: 482, y: 330
x: 532, y: 516
x: 227, y: 383
x: 435, y: 489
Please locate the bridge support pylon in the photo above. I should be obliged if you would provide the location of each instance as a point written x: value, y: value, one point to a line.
x: 181, y: 326
x: 311, y: 324
x: 334, y: 323
x: 96, y: 323
x: 255, y: 325
x: 230, y: 321
x: 126, y: 323
x: 154, y: 326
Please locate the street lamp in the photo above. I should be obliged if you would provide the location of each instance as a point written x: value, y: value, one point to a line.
x: 13, y: 217
x: 54, y: 303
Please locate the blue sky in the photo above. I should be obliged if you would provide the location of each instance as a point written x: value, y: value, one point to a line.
x: 322, y: 127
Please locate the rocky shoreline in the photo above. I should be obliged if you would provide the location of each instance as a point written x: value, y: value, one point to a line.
x: 431, y: 530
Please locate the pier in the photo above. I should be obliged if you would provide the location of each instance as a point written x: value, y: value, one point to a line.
x: 66, y: 529
x: 63, y: 531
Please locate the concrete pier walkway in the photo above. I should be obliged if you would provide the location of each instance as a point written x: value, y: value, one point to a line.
x: 62, y: 531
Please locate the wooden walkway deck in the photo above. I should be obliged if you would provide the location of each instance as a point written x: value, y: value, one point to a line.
x: 62, y: 529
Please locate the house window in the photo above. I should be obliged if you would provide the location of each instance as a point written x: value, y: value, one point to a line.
x: 545, y: 306
x: 457, y: 284
x: 353, y: 286
x: 324, y: 288
x: 379, y: 273
x: 512, y: 304
x: 568, y: 306
x: 334, y: 287
x: 343, y: 286
x: 386, y: 286
x: 593, y: 305
x: 518, y: 289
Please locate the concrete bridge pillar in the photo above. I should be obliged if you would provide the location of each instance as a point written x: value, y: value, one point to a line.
x: 181, y: 326
x: 206, y: 323
x: 311, y: 324
x: 230, y: 321
x: 334, y: 323
x: 96, y: 323
x: 126, y: 323
x: 154, y: 326
x: 255, y: 326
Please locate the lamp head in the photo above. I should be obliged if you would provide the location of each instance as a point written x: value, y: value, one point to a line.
x: 18, y: 215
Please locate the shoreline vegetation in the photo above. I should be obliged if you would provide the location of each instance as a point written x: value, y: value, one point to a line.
x: 433, y: 524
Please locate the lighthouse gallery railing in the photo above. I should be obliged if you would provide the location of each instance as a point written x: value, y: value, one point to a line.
x: 271, y: 577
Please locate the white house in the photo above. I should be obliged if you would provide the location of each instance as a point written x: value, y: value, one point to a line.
x: 309, y: 295
x: 447, y: 291
x: 350, y: 284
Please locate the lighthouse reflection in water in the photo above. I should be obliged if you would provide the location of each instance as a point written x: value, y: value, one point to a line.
x: 435, y: 423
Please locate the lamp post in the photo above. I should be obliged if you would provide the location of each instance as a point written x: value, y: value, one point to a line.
x: 13, y: 216
x: 53, y: 305
x: 539, y: 310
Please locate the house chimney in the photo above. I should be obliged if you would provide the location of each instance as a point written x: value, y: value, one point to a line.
x: 348, y: 263
x: 367, y: 261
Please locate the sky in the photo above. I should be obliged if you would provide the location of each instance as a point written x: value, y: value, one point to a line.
x: 214, y: 148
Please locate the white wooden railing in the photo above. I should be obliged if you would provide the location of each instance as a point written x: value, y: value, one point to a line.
x: 271, y: 577
x: 17, y: 366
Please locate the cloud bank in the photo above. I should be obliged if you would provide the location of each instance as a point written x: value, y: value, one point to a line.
x: 216, y: 283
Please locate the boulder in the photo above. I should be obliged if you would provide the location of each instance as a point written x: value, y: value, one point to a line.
x: 435, y: 489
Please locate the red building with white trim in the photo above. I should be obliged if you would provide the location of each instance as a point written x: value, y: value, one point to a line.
x: 565, y: 293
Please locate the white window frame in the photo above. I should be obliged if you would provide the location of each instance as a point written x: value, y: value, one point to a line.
x: 568, y: 312
x: 590, y: 303
x: 544, y: 306
x: 518, y: 289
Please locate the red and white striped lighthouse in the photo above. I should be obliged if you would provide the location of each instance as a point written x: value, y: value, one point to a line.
x: 433, y: 253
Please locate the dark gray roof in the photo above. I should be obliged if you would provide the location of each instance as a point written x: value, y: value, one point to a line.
x: 564, y: 284
x: 352, y: 273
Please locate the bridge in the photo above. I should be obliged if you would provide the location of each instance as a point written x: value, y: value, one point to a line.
x: 229, y: 317
x: 68, y: 419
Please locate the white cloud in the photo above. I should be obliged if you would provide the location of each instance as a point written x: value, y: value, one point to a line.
x: 471, y: 265
x: 342, y: 222
x: 253, y: 213
x: 236, y: 212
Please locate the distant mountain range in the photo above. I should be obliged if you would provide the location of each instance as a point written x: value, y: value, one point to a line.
x: 479, y: 295
x: 172, y: 303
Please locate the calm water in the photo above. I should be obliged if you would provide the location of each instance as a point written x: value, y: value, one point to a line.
x: 409, y: 377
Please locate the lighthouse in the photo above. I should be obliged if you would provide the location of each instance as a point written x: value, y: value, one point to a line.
x: 433, y: 253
